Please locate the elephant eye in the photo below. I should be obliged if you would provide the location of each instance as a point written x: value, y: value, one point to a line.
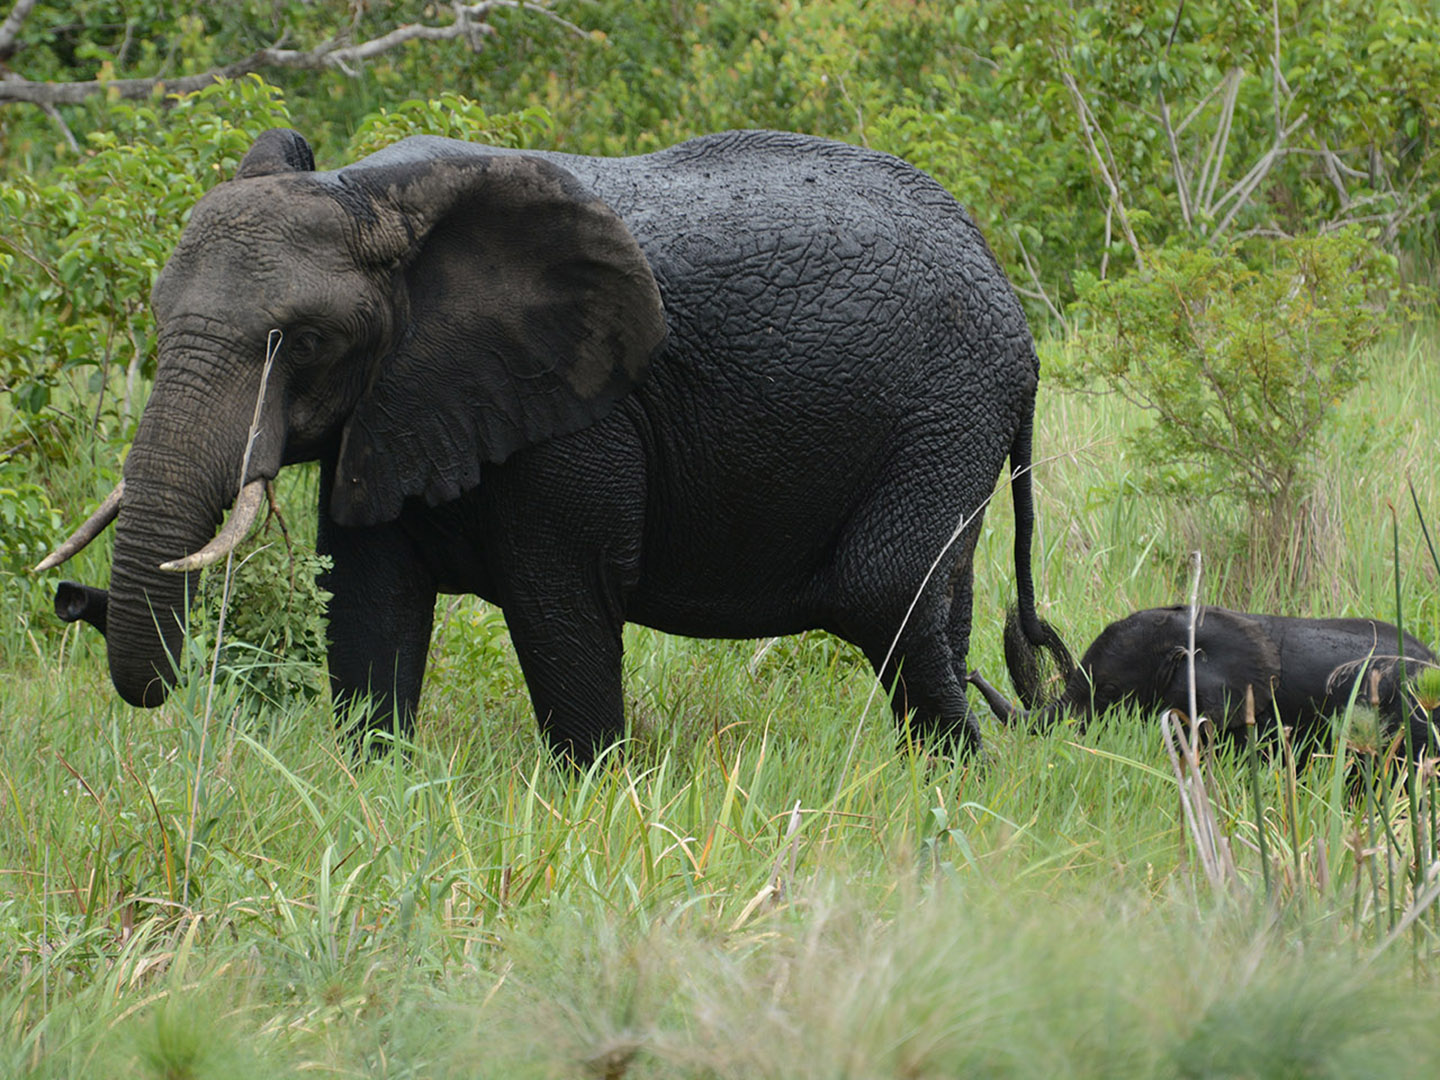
x: 301, y: 344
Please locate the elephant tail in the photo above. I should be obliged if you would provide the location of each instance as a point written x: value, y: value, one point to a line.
x: 1027, y: 636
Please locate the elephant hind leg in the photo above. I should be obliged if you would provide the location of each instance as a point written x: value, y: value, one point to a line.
x: 924, y: 692
x: 901, y: 586
x: 910, y: 642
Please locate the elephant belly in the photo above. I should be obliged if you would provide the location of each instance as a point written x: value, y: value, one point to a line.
x: 737, y: 568
x: 726, y: 594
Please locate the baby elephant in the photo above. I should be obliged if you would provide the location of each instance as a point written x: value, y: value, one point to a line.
x: 1303, y: 671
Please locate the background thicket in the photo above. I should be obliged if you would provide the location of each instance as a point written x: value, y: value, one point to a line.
x: 1222, y: 219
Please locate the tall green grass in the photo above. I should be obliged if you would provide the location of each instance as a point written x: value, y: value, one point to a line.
x: 734, y: 893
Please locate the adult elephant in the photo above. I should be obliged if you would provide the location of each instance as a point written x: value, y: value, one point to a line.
x: 745, y: 386
x: 1302, y: 672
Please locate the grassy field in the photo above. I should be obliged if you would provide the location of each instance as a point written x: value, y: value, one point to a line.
x: 767, y: 882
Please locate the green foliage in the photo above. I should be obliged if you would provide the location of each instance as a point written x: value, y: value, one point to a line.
x: 652, y: 75
x: 974, y: 92
x: 1238, y: 369
x: 273, y: 641
x: 472, y: 651
x: 82, y: 246
x: 28, y: 522
x: 453, y: 116
x: 1067, y: 127
x: 29, y: 525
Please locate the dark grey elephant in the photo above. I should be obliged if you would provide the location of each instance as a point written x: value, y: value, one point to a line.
x: 745, y: 386
x: 1303, y: 672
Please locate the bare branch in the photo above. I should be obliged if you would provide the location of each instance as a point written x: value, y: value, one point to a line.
x: 1175, y: 26
x: 1109, y: 235
x: 1182, y: 184
x: 1215, y: 159
x: 1336, y: 161
x: 1038, y: 293
x: 1200, y: 105
x: 1332, y: 173
x: 1268, y: 232
x: 1245, y: 187
x: 8, y: 77
x: 1279, y: 85
x: 1089, y: 127
x: 10, y: 28
x: 468, y: 24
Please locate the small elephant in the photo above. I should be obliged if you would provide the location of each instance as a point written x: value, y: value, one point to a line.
x: 752, y: 384
x: 1302, y: 671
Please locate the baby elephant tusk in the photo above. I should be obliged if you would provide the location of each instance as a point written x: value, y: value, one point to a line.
x: 247, y: 506
x: 85, y: 533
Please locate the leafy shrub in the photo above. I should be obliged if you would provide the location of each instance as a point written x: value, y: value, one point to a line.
x: 1238, y: 368
x: 28, y: 527
x: 84, y: 245
x: 273, y: 640
x: 1088, y: 132
x: 28, y: 523
x: 453, y: 116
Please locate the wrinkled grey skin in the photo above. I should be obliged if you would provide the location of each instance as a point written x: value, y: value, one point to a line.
x: 745, y: 386
x: 1303, y: 672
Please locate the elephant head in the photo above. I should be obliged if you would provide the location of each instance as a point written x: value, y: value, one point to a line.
x: 436, y: 309
x: 1141, y: 661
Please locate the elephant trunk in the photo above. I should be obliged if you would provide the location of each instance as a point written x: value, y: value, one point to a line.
x: 145, y: 617
x: 1008, y: 714
x: 1005, y: 712
x: 182, y: 472
x: 76, y: 603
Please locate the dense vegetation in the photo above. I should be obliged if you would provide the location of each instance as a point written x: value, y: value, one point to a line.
x: 767, y: 882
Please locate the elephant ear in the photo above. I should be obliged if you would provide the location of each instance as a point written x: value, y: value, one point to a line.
x: 528, y: 310
x: 278, y: 150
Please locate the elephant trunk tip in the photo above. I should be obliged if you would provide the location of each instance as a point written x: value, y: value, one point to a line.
x: 142, y: 693
x: 75, y: 602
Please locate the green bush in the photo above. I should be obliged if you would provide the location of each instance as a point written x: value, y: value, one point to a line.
x: 453, y: 116
x: 1238, y: 369
x: 28, y: 522
x: 1091, y: 132
x: 83, y: 245
x: 273, y: 641
x: 28, y: 527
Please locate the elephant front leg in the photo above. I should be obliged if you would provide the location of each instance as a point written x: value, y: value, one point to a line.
x: 572, y: 666
x: 381, y: 611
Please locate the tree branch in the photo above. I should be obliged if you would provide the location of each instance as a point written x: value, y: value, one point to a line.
x: 10, y: 28
x: 1215, y: 159
x: 1182, y: 185
x: 1038, y: 293
x: 468, y: 24
x: 1246, y: 186
x: 1089, y: 126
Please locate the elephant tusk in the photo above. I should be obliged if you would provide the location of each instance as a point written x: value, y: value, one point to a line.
x: 247, y: 507
x: 92, y: 528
